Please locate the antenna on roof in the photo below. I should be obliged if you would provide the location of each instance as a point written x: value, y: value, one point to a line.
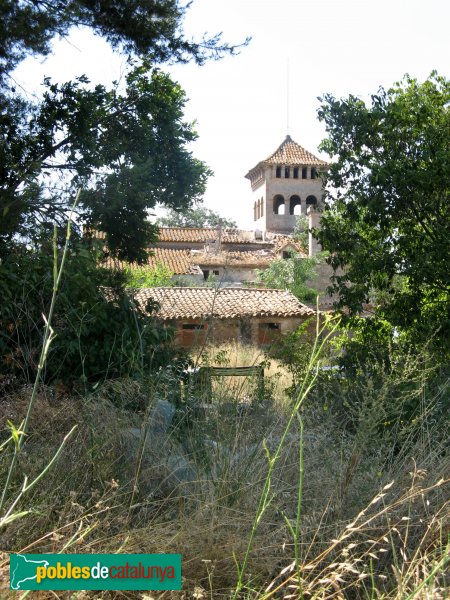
x: 287, y: 96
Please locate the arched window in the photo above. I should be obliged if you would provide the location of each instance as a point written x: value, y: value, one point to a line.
x: 295, y: 207
x: 304, y: 172
x: 278, y: 172
x: 255, y: 217
x: 287, y: 172
x: 311, y: 201
x: 278, y: 205
x: 313, y: 173
x: 295, y: 172
x: 262, y: 207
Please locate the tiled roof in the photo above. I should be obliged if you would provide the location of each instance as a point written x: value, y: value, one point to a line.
x: 225, y: 303
x: 234, y: 259
x: 176, y: 260
x: 290, y: 153
x: 203, y: 234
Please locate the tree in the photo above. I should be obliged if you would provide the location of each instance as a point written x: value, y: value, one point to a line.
x: 194, y: 217
x: 386, y: 221
x: 296, y: 272
x: 126, y: 149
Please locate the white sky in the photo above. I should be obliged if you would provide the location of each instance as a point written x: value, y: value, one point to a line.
x: 240, y: 103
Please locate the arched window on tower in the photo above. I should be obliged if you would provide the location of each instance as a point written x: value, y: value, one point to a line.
x: 255, y: 217
x: 278, y: 205
x: 313, y: 173
x: 262, y: 207
x: 311, y: 201
x: 295, y: 172
x: 304, y: 172
x: 278, y: 172
x: 287, y: 172
x: 295, y: 205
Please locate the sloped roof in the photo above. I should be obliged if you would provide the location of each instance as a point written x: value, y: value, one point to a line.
x: 234, y: 259
x: 290, y: 153
x: 204, y: 234
x: 178, y: 261
x: 225, y: 303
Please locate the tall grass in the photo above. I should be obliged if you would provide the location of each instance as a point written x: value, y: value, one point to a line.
x: 290, y: 490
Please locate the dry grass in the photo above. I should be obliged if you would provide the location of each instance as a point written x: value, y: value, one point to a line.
x: 371, y: 528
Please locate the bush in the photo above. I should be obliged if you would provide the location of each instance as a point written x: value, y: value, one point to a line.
x: 96, y: 336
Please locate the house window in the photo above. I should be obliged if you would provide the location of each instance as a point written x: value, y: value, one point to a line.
x: 217, y: 273
x: 287, y: 254
x: 278, y: 172
x: 304, y: 173
x: 287, y: 172
x: 268, y: 332
x: 205, y: 274
x: 294, y: 205
x: 278, y: 205
x: 193, y: 326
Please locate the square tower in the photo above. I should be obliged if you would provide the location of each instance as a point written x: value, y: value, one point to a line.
x: 285, y: 185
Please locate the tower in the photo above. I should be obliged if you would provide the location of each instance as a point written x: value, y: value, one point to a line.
x: 285, y: 185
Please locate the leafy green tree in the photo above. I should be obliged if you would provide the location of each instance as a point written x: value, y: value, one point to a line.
x: 296, y: 272
x: 199, y: 216
x: 145, y: 277
x: 125, y: 149
x: 386, y: 221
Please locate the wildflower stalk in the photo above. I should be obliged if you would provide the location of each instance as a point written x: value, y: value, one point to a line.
x: 49, y: 336
x: 265, y: 500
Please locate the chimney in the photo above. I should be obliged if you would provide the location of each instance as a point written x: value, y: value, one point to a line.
x: 313, y: 223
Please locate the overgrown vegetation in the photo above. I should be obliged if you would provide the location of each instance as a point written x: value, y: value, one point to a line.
x: 375, y: 481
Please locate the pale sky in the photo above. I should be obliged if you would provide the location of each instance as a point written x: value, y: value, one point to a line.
x: 240, y: 103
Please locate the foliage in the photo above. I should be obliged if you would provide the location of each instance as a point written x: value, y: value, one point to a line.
x: 293, y: 274
x: 386, y: 222
x: 199, y: 216
x: 144, y: 277
x: 98, y: 334
x: 140, y: 27
x: 125, y: 148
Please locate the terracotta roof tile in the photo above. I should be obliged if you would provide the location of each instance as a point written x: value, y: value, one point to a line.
x: 176, y: 260
x: 257, y: 259
x: 290, y: 153
x: 204, y: 234
x: 225, y: 303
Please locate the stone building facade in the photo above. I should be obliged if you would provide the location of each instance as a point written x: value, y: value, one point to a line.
x: 284, y: 185
x: 209, y: 315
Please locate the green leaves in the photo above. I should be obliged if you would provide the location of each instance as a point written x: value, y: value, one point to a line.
x: 387, y: 206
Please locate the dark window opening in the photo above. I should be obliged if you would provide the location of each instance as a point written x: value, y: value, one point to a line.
x: 294, y: 202
x: 311, y: 201
x: 287, y: 172
x: 278, y: 205
x: 287, y: 254
x: 205, y: 274
x: 295, y: 172
x: 304, y: 173
x: 278, y: 172
x: 216, y: 273
x: 193, y: 326
x: 271, y: 326
x: 313, y: 173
